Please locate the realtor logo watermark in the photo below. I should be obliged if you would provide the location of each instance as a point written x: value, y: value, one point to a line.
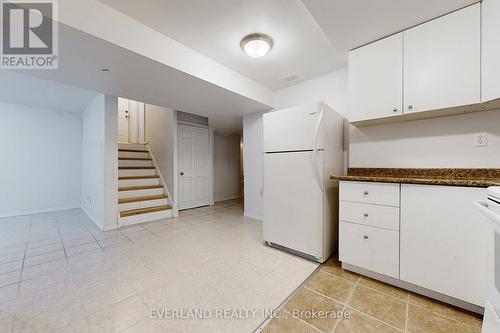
x: 29, y: 34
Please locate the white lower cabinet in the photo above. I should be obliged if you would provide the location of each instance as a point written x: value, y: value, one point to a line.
x: 442, y: 240
x: 431, y: 237
x: 371, y: 248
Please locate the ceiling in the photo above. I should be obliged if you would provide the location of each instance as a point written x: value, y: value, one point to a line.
x: 352, y: 23
x: 133, y: 76
x: 215, y: 28
x: 44, y: 94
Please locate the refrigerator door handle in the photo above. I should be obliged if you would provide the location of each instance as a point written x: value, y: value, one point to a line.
x: 316, y: 150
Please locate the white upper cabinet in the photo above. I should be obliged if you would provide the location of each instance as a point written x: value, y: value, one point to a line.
x: 376, y: 79
x: 442, y: 62
x: 490, y: 50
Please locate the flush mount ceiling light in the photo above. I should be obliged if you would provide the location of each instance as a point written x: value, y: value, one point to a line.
x: 256, y: 45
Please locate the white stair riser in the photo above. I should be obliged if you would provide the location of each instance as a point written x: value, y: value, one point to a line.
x: 132, y: 154
x: 134, y: 163
x: 136, y: 172
x: 142, y: 204
x: 141, y: 218
x: 139, y: 193
x: 134, y: 146
x: 138, y: 182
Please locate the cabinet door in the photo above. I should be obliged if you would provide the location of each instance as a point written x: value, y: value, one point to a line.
x: 490, y: 50
x: 442, y: 240
x: 376, y: 79
x: 442, y: 62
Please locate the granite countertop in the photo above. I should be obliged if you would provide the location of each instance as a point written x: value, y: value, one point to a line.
x: 451, y: 177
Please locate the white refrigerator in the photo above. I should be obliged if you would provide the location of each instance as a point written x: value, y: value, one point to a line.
x: 303, y: 146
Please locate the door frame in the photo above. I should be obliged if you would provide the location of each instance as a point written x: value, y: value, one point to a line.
x: 127, y: 116
x: 209, y: 161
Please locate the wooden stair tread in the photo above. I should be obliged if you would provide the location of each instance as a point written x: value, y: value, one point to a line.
x: 138, y: 177
x: 136, y: 167
x: 134, y: 159
x: 134, y: 150
x: 144, y: 210
x: 139, y: 199
x: 133, y: 188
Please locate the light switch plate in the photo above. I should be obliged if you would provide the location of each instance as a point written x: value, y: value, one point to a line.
x: 480, y: 140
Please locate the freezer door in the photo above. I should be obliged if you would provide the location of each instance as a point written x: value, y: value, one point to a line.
x: 293, y: 129
x: 293, y: 202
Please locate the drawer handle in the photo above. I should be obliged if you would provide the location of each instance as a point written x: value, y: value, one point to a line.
x: 365, y: 236
x: 365, y: 192
x: 365, y: 214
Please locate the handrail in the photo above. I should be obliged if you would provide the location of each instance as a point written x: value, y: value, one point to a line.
x: 161, y: 177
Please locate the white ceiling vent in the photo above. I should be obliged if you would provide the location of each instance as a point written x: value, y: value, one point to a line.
x: 291, y: 77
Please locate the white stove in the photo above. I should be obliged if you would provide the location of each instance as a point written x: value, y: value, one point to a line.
x: 491, y: 209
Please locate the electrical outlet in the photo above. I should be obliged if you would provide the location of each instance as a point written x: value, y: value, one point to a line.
x: 480, y: 140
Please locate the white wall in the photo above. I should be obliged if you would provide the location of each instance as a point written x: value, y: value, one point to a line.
x: 92, y: 200
x: 161, y: 134
x: 99, y: 177
x: 445, y: 142
x: 110, y: 162
x: 226, y: 167
x: 330, y: 88
x: 41, y: 160
x: 253, y: 165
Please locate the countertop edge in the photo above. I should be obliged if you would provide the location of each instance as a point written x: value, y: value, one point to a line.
x: 423, y: 181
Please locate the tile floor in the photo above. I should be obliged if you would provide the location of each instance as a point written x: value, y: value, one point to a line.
x: 374, y: 307
x: 60, y: 273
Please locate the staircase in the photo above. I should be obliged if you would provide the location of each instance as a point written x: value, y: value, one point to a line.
x: 142, y: 193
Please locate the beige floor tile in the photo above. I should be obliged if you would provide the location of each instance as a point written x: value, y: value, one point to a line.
x: 424, y: 321
x: 119, y: 316
x: 333, y: 266
x: 385, y: 308
x: 331, y: 286
x: 360, y: 323
x: 43, y: 258
x: 384, y: 288
x: 9, y: 278
x: 446, y: 310
x: 306, y: 302
x: 288, y: 325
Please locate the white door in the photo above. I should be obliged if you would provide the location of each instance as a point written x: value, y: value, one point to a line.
x: 293, y: 202
x: 490, y: 50
x: 442, y: 62
x: 193, y: 166
x: 376, y: 79
x: 123, y: 120
x: 291, y: 129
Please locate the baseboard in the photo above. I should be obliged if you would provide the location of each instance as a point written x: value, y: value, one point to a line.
x: 91, y: 218
x: 414, y: 288
x: 38, y: 211
x: 227, y: 199
x: 257, y: 217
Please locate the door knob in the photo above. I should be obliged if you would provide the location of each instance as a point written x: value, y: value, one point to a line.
x: 365, y: 214
x: 182, y: 173
x: 365, y: 237
x: 126, y: 111
x: 365, y: 192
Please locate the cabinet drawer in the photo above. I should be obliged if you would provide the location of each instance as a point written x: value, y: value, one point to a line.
x: 370, y: 248
x: 372, y: 215
x: 372, y: 193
